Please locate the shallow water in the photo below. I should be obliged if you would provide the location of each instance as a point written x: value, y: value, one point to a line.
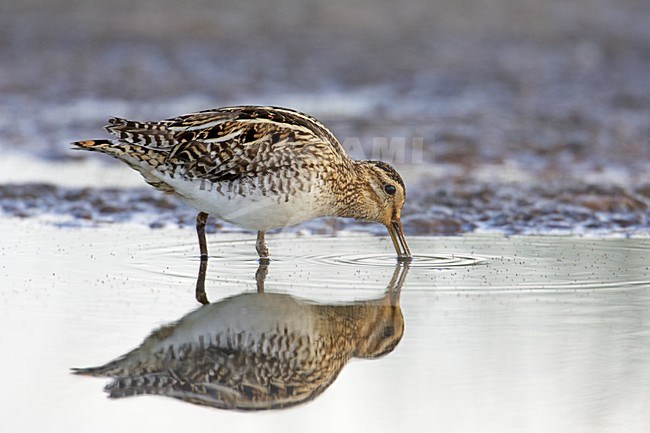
x: 500, y: 334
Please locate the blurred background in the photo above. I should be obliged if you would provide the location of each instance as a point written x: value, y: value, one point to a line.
x: 503, y: 116
x: 510, y: 115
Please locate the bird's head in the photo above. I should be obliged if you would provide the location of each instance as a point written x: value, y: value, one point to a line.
x: 382, y: 194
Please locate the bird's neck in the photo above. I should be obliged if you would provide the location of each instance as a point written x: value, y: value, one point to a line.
x: 353, y: 198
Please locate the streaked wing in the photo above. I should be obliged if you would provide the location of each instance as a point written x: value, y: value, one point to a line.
x: 227, y: 378
x: 231, y: 143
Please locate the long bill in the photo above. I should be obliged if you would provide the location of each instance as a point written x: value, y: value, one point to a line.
x: 399, y: 241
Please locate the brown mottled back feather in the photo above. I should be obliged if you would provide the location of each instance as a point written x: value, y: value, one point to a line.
x: 229, y: 143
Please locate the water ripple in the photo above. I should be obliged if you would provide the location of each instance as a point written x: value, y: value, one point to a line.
x: 427, y: 261
x: 473, y: 264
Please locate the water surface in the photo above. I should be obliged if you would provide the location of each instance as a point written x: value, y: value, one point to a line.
x: 499, y: 333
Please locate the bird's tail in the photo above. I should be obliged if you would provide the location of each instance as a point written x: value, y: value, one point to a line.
x: 117, y: 149
x: 95, y: 145
x: 133, y: 154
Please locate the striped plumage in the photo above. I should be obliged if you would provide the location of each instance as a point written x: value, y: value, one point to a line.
x: 261, y: 168
x: 257, y: 351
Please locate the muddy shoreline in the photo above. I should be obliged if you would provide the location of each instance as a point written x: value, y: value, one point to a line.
x: 443, y: 209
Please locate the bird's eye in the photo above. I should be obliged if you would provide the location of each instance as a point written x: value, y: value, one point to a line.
x: 390, y: 189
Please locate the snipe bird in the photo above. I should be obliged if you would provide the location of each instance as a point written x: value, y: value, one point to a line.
x: 256, y: 351
x: 260, y: 168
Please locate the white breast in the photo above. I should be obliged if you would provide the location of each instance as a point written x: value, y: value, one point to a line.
x: 251, y: 205
x: 244, y: 320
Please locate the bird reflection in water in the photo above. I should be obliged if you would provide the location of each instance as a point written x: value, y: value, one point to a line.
x: 259, y: 350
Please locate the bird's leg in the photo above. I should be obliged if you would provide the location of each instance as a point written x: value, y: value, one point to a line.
x: 263, y: 269
x: 201, y: 220
x: 201, y: 296
x: 260, y: 275
x: 261, y: 248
